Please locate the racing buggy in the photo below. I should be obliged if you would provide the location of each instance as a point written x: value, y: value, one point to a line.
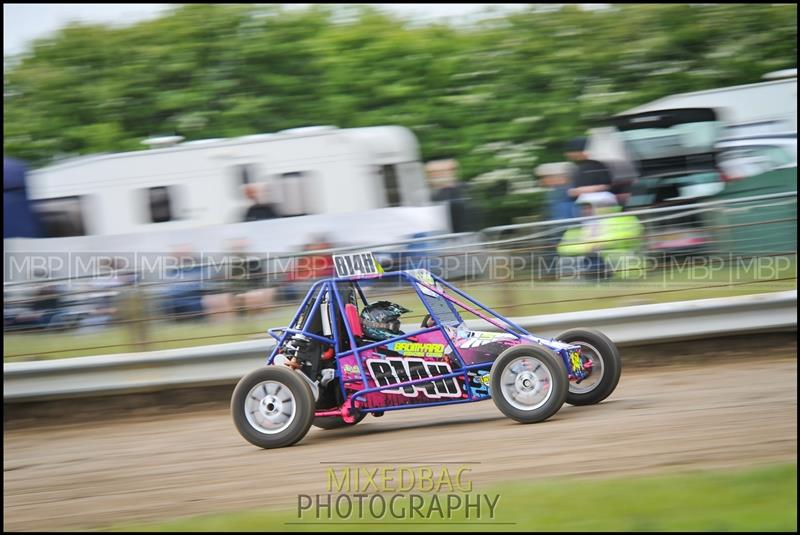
x: 342, y: 358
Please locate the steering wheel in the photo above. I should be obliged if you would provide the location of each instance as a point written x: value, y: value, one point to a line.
x: 424, y: 323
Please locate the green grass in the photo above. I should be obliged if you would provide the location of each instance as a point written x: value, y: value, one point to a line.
x: 763, y: 499
x: 522, y: 296
x: 121, y: 339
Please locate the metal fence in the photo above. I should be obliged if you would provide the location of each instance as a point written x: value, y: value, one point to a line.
x: 743, y: 242
x: 227, y: 363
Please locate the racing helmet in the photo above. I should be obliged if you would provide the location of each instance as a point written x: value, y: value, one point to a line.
x: 381, y: 320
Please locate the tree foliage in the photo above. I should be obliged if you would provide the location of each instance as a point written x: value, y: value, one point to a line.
x: 502, y: 94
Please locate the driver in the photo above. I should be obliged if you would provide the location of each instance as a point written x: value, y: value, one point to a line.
x: 381, y: 320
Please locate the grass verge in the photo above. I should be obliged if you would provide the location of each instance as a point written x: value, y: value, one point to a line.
x: 758, y: 499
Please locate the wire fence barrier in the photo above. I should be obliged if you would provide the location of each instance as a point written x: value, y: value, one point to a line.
x: 732, y: 244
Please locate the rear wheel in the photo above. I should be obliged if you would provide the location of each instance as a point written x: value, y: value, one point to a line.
x: 603, y: 356
x: 272, y: 407
x: 528, y: 383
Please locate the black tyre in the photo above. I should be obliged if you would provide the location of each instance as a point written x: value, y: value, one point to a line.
x: 606, y: 366
x: 272, y: 407
x: 529, y: 383
x: 335, y: 422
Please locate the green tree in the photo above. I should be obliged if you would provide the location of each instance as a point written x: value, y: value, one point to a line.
x: 500, y: 96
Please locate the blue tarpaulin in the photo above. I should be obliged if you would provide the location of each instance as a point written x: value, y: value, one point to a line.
x: 19, y: 220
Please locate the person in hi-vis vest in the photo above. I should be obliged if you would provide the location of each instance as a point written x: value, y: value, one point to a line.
x: 602, y: 245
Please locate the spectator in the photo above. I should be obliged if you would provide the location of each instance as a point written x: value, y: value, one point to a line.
x: 556, y: 178
x: 588, y: 175
x: 260, y: 209
x: 599, y: 243
x: 248, y: 279
x: 107, y: 288
x: 49, y: 307
x: 443, y: 177
x: 183, y: 295
x: 307, y: 269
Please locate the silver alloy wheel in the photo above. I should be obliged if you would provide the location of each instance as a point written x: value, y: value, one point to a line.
x: 270, y: 407
x: 526, y: 383
x: 591, y: 382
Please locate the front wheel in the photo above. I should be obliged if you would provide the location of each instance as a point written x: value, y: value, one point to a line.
x: 528, y: 383
x: 603, y: 356
x: 272, y: 407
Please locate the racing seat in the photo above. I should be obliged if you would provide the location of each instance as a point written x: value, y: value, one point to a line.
x: 353, y: 320
x: 347, y: 294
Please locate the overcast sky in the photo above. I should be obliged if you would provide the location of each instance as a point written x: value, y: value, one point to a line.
x: 25, y: 22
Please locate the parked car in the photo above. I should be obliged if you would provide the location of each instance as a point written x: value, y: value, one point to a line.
x: 757, y: 165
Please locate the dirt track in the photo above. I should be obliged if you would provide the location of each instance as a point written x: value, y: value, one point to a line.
x: 81, y: 477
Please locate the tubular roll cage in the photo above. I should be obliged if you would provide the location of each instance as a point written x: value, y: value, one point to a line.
x: 329, y: 289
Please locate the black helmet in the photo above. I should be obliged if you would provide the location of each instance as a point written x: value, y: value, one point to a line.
x: 381, y: 320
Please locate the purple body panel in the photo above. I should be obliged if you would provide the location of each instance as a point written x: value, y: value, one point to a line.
x: 421, y: 356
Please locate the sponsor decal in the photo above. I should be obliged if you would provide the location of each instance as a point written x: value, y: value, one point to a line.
x: 418, y: 349
x: 482, y: 339
x: 350, y: 265
x: 575, y: 361
x: 393, y: 370
x: 479, y: 382
x: 351, y: 368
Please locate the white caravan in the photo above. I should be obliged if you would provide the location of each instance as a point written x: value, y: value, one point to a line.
x: 338, y: 186
x: 306, y: 171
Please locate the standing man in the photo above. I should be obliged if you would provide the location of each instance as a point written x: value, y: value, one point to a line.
x: 443, y: 178
x: 260, y: 209
x: 588, y: 176
x: 556, y: 178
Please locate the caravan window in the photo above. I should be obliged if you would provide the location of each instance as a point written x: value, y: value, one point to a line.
x: 411, y: 177
x: 61, y: 217
x: 649, y: 143
x: 297, y: 193
x: 391, y: 185
x: 246, y: 174
x: 160, y: 204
